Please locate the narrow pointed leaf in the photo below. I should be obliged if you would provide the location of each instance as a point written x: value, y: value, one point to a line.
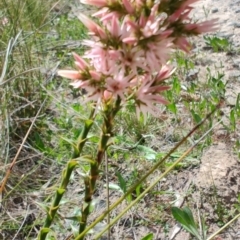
x: 185, y: 218
x: 148, y: 237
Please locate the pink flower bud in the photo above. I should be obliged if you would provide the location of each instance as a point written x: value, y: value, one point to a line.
x: 127, y: 4
x: 92, y: 26
x: 80, y: 63
x: 71, y: 74
x: 107, y: 95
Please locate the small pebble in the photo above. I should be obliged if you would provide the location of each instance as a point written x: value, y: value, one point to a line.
x: 214, y: 10
x: 236, y: 24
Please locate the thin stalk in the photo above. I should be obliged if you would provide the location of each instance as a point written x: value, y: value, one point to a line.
x: 100, y: 218
x: 163, y: 175
x: 222, y: 228
x: 67, y: 172
x: 107, y: 183
x: 109, y: 113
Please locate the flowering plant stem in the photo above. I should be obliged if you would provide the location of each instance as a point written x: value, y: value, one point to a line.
x: 67, y: 172
x: 143, y: 178
x: 109, y: 112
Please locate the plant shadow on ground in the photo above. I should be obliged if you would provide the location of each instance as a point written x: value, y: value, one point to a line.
x: 46, y: 40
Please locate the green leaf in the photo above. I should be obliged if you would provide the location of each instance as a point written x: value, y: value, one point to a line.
x: 74, y: 230
x: 92, y: 206
x: 45, y: 230
x: 69, y: 141
x: 38, y: 141
x: 196, y: 117
x: 60, y: 191
x: 232, y: 119
x: 72, y: 164
x: 85, y: 159
x: 138, y: 190
x: 122, y: 182
x: 114, y: 186
x: 185, y: 218
x: 43, y: 206
x: 149, y: 153
x: 93, y: 138
x: 148, y: 237
x: 172, y: 107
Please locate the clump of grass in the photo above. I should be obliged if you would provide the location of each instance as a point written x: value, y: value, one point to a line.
x: 27, y: 46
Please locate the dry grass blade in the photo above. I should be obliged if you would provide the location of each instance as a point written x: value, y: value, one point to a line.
x: 153, y: 184
x: 101, y: 217
x: 225, y: 226
x: 10, y: 46
x: 4, y: 181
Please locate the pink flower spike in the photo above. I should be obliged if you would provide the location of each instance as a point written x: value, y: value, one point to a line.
x: 188, y: 3
x: 165, y: 34
x: 128, y: 6
x: 80, y: 62
x: 101, y: 12
x: 92, y: 26
x: 71, y: 74
x: 95, y: 75
x: 183, y: 44
x: 130, y: 40
x: 118, y: 84
x: 139, y: 3
x: 106, y: 16
x: 77, y: 84
x: 107, y: 95
x: 164, y: 73
x: 207, y: 26
x: 115, y: 29
x: 158, y: 89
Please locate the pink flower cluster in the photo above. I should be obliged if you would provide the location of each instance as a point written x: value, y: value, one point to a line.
x: 128, y: 51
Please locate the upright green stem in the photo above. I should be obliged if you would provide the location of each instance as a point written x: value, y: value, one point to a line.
x: 144, y: 177
x: 52, y: 210
x: 90, y: 181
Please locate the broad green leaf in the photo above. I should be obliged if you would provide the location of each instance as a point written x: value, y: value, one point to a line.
x: 172, y: 107
x: 149, y: 153
x: 185, y: 218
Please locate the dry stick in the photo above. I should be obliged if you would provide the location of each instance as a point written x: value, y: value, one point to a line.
x: 100, y: 218
x: 222, y: 228
x: 107, y: 186
x: 4, y: 181
x: 18, y: 75
x: 154, y: 183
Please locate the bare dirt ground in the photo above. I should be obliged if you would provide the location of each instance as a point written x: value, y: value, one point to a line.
x: 219, y: 171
